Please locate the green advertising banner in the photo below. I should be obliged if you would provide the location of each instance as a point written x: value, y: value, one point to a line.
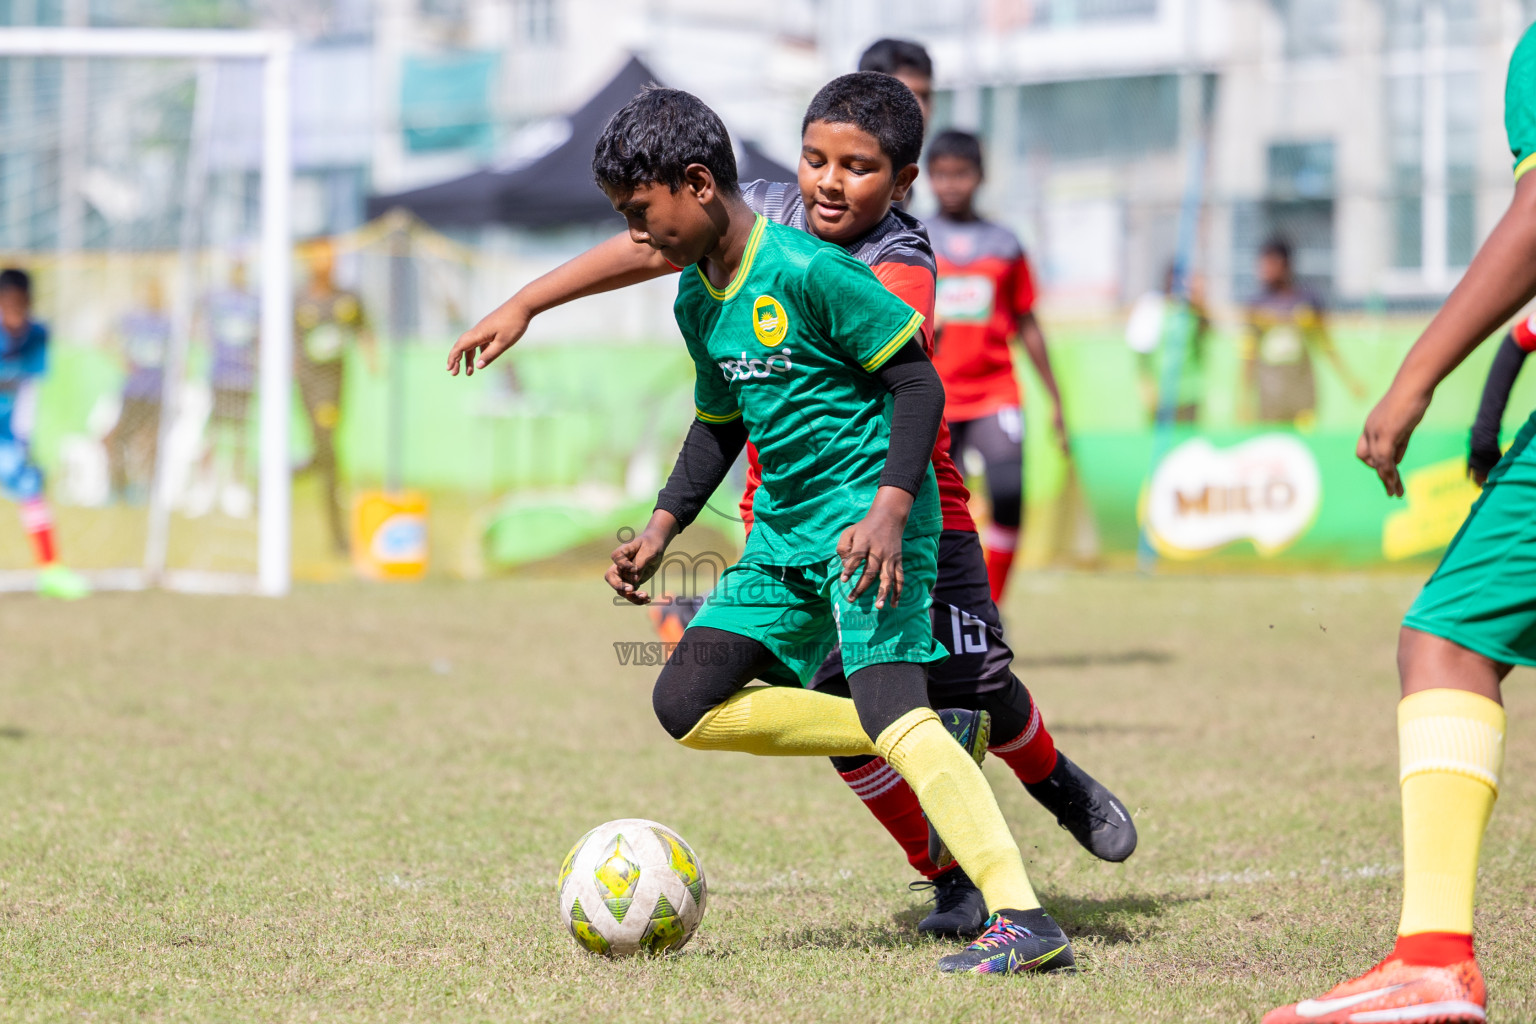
x: 1273, y: 495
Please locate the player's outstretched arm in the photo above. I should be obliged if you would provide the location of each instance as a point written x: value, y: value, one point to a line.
x: 875, y: 541
x: 1501, y: 279
x: 616, y: 263
x: 706, y: 458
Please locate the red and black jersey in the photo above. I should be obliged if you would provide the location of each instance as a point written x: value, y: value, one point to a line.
x: 984, y: 286
x: 897, y: 250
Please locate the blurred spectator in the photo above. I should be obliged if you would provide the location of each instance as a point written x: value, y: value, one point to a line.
x: 233, y: 320
x: 1146, y: 334
x: 328, y: 321
x: 143, y: 335
x: 1284, y: 325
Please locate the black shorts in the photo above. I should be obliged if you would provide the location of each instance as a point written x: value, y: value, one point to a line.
x: 965, y: 622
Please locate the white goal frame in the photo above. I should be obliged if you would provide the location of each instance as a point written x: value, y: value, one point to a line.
x: 275, y: 366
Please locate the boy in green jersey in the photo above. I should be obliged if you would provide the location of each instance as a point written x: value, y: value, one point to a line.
x: 1474, y: 620
x: 800, y: 348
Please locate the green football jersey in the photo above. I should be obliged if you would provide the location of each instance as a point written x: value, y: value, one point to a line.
x: 791, y: 346
x: 1520, y: 103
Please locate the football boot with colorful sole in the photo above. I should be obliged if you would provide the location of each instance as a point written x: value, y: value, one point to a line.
x: 1016, y: 941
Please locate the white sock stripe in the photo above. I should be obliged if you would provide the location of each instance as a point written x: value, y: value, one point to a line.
x: 1446, y: 743
x: 1024, y: 737
x: 875, y: 780
x: 868, y: 795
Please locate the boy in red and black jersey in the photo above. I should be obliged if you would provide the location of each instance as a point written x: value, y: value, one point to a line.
x: 986, y: 296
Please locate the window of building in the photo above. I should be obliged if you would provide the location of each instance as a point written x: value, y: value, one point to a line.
x: 1432, y: 113
x: 445, y: 101
x: 1461, y: 22
x: 1301, y: 170
x: 1461, y: 114
x: 1405, y: 161
x: 447, y: 10
x: 1105, y: 117
x: 1311, y: 27
x: 1073, y: 12
x: 1403, y: 24
x: 538, y: 21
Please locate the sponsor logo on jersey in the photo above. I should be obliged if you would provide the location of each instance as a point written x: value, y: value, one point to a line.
x: 964, y: 298
x: 749, y: 367
x: 769, y: 321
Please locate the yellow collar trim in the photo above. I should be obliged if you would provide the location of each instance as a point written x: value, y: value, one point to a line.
x: 741, y: 271
x: 1525, y: 165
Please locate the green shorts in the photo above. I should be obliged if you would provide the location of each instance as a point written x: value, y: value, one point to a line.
x: 1483, y: 595
x: 801, y: 612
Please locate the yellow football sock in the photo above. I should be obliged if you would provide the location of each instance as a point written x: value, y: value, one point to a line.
x: 782, y: 721
x: 958, y: 801
x: 1452, y: 747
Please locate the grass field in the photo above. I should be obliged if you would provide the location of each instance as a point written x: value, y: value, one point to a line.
x: 350, y: 805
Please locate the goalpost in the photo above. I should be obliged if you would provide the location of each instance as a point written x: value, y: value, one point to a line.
x: 161, y: 506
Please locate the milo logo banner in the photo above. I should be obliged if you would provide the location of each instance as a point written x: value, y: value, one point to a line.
x: 1273, y: 495
x: 1201, y: 498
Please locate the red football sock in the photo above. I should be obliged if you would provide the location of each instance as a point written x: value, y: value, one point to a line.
x: 895, y: 806
x: 38, y: 523
x: 998, y: 544
x: 1433, y: 949
x: 1032, y: 753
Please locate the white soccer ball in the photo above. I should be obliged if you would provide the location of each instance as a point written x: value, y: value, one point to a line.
x: 632, y: 886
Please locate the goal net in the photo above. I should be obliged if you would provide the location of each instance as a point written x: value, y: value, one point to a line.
x: 140, y: 191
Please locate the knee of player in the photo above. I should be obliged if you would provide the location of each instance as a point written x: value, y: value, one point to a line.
x: 674, y: 710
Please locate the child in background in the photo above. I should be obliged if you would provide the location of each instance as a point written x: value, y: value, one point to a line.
x: 986, y: 295
x: 23, y: 361
x: 233, y: 324
x: 145, y: 335
x: 1284, y: 326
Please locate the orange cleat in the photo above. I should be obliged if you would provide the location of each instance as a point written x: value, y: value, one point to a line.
x: 670, y: 615
x: 1394, y: 991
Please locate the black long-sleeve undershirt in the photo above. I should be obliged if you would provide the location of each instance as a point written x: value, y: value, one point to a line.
x: 915, y: 416
x: 1484, y: 451
x: 708, y: 451
x: 918, y: 409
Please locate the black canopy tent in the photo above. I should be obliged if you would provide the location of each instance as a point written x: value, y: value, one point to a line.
x: 556, y: 187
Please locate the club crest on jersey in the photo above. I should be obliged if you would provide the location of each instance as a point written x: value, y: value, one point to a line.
x: 769, y: 321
